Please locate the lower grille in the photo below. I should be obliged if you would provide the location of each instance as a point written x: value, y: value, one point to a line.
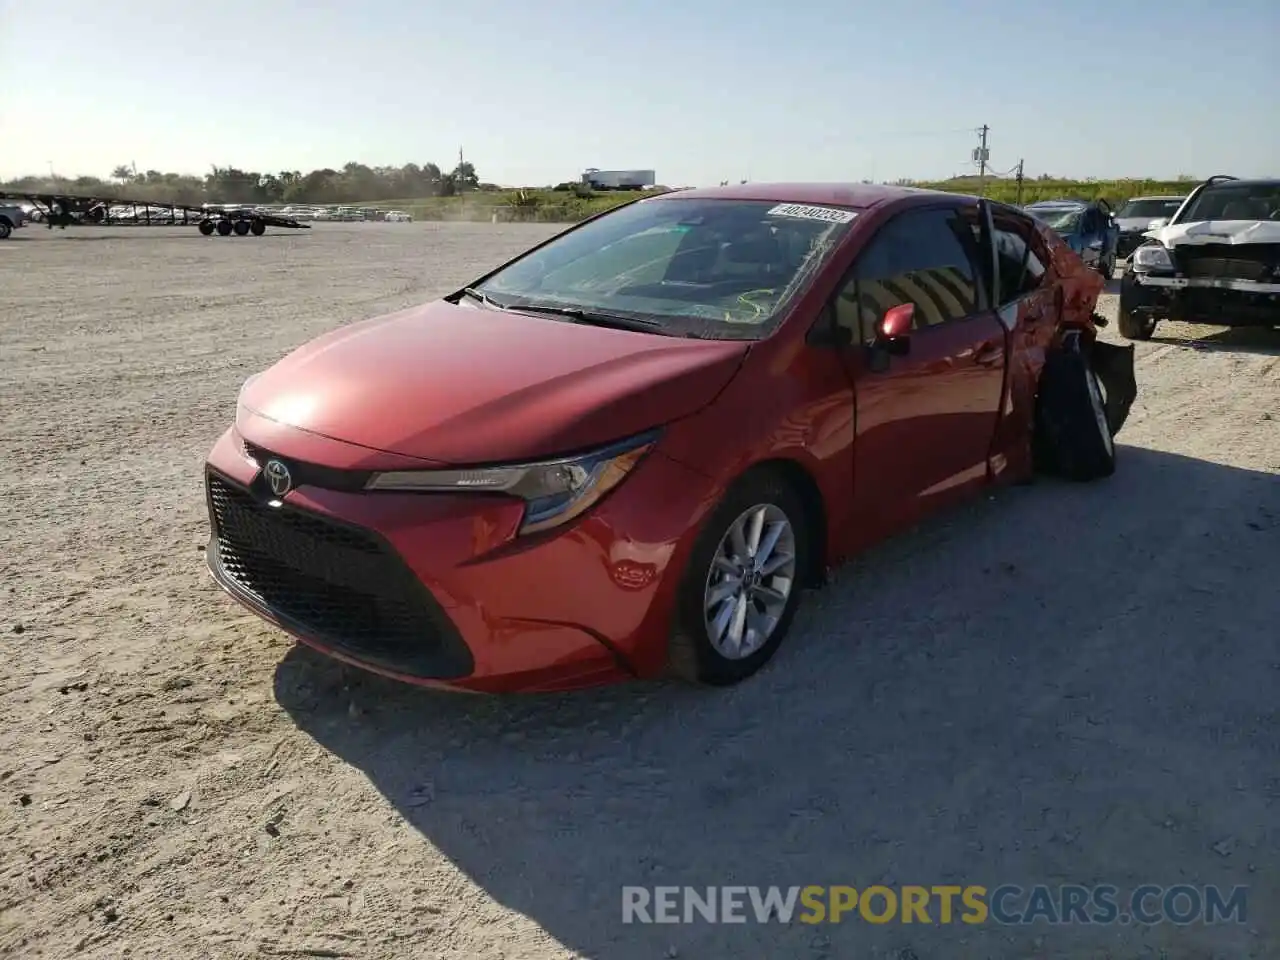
x: 1257, y: 262
x: 340, y: 585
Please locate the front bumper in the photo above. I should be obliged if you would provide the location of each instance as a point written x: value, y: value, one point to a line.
x: 1217, y: 300
x: 436, y: 590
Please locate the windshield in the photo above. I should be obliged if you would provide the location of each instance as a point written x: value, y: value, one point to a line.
x: 1235, y: 201
x: 1150, y: 208
x: 724, y: 269
x: 1064, y: 220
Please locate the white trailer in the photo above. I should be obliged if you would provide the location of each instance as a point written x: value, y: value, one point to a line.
x: 619, y: 179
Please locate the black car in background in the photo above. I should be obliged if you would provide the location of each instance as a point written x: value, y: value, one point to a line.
x: 1135, y: 218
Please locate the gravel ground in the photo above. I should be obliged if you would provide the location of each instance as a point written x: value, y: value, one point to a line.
x: 1059, y: 684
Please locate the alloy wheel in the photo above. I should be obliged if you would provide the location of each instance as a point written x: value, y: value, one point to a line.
x: 750, y: 581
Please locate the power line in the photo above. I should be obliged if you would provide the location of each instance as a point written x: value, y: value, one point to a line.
x: 951, y: 132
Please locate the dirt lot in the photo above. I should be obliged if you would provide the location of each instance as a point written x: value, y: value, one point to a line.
x: 1062, y: 684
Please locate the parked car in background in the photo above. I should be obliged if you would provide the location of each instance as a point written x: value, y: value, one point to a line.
x: 1087, y: 227
x: 627, y: 451
x: 398, y: 216
x: 1135, y: 219
x: 12, y: 217
x: 1216, y: 261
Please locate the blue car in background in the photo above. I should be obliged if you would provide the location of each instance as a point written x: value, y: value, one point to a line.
x: 1088, y: 226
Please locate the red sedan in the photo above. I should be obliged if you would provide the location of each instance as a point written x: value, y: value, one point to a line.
x: 627, y: 451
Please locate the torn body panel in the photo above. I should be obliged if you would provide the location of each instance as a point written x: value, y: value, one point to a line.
x: 1038, y: 324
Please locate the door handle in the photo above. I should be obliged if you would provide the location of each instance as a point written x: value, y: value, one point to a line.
x: 989, y: 354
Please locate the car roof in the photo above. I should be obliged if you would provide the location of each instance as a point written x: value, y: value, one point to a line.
x: 860, y: 196
x: 1057, y: 205
x: 1253, y: 182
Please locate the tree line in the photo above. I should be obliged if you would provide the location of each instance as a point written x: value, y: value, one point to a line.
x: 353, y: 183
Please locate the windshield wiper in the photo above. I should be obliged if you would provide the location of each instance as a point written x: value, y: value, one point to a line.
x: 592, y: 317
x: 475, y: 294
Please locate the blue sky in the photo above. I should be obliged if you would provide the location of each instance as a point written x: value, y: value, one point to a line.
x: 699, y: 90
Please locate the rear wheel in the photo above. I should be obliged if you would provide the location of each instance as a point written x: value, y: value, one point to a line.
x: 1073, y: 438
x: 241, y: 227
x: 742, y: 586
x: 206, y: 227
x: 257, y: 228
x: 224, y: 228
x: 6, y: 228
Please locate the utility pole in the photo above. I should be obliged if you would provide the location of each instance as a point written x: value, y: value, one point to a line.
x: 981, y: 155
x: 1019, y: 200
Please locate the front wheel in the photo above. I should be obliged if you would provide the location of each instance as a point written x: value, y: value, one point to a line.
x: 5, y: 229
x: 742, y: 586
x: 1133, y: 326
x: 1073, y: 438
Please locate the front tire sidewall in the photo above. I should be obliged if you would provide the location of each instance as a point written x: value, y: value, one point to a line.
x: 1133, y: 326
x: 691, y: 655
x: 1072, y: 435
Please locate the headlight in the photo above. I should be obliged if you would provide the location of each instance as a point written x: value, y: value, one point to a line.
x: 1152, y: 257
x: 554, y: 491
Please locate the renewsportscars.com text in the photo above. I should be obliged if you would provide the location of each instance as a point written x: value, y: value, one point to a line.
x: 939, y: 904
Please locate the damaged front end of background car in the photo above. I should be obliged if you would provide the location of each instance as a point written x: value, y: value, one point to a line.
x: 1216, y: 261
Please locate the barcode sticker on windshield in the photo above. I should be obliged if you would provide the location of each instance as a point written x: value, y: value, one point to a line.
x: 826, y: 214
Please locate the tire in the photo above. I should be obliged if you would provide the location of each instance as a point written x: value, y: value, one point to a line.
x: 6, y: 228
x: 206, y: 228
x: 224, y: 228
x: 692, y: 654
x: 241, y: 227
x: 1072, y: 438
x: 1134, y: 327
x: 257, y: 228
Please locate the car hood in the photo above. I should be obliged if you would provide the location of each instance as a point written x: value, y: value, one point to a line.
x: 471, y: 385
x: 1218, y: 231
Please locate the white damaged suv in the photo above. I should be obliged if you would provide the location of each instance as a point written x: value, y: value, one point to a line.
x: 1217, y: 260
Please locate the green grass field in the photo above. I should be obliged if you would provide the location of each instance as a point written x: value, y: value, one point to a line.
x: 548, y: 206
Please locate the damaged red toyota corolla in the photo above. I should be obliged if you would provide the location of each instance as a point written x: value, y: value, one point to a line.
x: 627, y: 451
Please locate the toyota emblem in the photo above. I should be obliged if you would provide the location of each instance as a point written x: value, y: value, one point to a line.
x: 278, y: 477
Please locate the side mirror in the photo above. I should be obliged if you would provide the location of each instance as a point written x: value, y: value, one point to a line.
x: 893, y: 332
x: 893, y: 337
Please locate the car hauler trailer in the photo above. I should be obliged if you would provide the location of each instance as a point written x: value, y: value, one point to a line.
x: 618, y: 179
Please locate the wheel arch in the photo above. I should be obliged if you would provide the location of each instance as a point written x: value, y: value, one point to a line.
x: 798, y: 477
